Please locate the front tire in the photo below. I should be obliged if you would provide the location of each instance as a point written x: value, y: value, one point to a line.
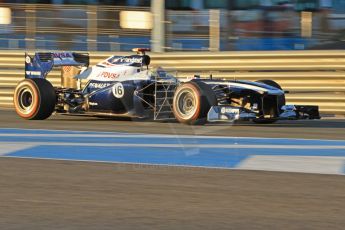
x: 281, y: 102
x: 34, y: 99
x: 192, y: 101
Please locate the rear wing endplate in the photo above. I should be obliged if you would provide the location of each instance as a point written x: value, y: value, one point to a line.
x: 40, y: 64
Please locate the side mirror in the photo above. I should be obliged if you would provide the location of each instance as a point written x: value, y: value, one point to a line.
x: 146, y: 60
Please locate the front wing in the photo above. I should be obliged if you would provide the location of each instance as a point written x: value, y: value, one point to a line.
x: 289, y: 112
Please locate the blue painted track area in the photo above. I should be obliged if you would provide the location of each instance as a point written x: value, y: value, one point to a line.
x: 292, y: 155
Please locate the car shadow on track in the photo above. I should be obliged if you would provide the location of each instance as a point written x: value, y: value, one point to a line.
x: 323, y: 123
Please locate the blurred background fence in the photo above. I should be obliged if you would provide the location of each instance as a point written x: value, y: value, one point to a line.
x: 197, y: 25
x: 69, y: 27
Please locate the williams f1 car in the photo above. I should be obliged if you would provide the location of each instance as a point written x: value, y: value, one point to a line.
x: 125, y: 86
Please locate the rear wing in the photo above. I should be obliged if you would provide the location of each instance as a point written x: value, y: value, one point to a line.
x: 40, y: 64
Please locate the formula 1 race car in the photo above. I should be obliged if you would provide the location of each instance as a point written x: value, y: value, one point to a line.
x: 125, y: 86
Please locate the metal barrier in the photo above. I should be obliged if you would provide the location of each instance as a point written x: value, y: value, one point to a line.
x: 312, y: 77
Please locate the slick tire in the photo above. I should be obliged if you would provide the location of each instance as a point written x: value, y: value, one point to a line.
x: 281, y: 102
x: 34, y: 99
x: 192, y: 101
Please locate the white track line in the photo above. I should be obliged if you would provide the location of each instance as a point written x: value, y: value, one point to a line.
x: 136, y: 135
x: 148, y: 136
x: 214, y: 146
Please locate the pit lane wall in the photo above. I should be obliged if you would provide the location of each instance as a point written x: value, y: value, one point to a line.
x: 312, y: 77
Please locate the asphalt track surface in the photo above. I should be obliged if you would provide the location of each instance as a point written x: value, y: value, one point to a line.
x: 49, y: 194
x: 307, y: 129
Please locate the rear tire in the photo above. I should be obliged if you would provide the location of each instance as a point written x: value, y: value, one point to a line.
x: 281, y: 102
x: 34, y: 99
x: 192, y: 101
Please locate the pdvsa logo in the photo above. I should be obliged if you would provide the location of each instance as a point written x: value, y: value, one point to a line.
x: 62, y: 55
x: 108, y: 75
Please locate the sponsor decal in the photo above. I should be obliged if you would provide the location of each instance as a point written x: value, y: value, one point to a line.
x: 108, y: 75
x: 229, y: 110
x: 130, y: 60
x: 118, y: 90
x: 38, y: 73
x: 120, y: 60
x: 99, y: 85
x: 28, y: 59
x: 62, y: 55
x: 67, y: 68
x: 230, y: 113
x: 93, y: 103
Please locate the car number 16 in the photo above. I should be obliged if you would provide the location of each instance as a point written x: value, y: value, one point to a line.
x: 118, y: 90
